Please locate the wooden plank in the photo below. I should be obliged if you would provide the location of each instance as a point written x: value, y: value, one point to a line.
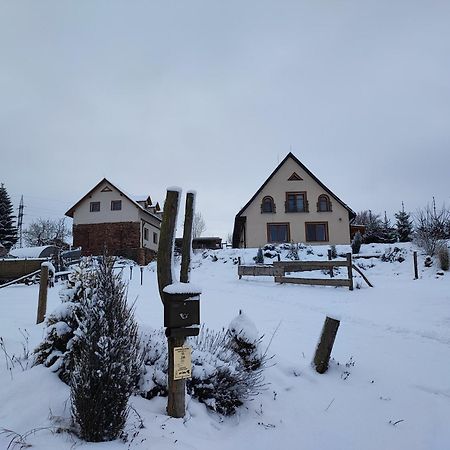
x: 256, y: 271
x: 314, y: 281
x: 364, y: 277
x: 294, y: 266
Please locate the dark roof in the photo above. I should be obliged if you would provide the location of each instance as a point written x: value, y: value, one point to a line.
x: 70, y: 212
x: 351, y: 213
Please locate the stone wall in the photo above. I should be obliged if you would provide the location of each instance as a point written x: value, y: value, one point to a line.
x: 119, y: 239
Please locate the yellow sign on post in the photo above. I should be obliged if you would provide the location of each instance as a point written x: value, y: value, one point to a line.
x: 182, y: 363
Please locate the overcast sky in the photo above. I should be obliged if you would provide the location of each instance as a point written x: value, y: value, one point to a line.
x: 211, y: 95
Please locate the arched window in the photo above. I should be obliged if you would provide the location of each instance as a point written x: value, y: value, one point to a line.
x: 323, y: 203
x: 267, y: 205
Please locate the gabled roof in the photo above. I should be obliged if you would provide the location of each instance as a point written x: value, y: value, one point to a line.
x: 351, y: 213
x: 70, y: 212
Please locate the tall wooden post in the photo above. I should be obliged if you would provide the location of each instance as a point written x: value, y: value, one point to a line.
x: 325, y: 346
x: 349, y: 269
x: 142, y: 274
x: 43, y: 287
x: 187, y: 238
x: 416, y: 268
x: 176, y: 389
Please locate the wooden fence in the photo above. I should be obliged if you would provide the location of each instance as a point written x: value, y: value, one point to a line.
x: 280, y: 268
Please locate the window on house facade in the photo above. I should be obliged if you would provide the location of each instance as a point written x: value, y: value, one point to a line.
x: 146, y: 234
x: 278, y: 232
x: 94, y: 207
x: 316, y: 231
x: 268, y: 205
x: 116, y: 205
x: 155, y: 238
x: 296, y: 202
x: 323, y: 203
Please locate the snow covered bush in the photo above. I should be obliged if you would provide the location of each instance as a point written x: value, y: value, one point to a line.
x: 61, y: 341
x: 220, y: 380
x: 245, y: 341
x: 356, y: 243
x: 107, y: 364
x: 293, y: 252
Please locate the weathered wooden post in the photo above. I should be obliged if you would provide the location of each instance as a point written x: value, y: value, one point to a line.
x: 349, y: 269
x: 181, y: 308
x: 239, y: 263
x: 416, y: 267
x: 325, y: 346
x: 43, y: 288
x: 142, y: 274
x: 131, y: 272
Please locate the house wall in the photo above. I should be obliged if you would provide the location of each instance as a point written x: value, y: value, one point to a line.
x: 152, y: 225
x: 256, y: 224
x: 83, y: 215
x: 120, y: 239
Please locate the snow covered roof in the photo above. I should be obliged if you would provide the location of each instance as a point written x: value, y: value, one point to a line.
x: 34, y: 252
x: 71, y: 211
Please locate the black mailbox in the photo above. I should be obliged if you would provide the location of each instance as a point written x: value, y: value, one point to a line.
x: 181, y: 310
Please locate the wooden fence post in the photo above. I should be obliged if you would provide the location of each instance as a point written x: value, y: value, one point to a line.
x: 349, y: 269
x: 43, y: 287
x: 131, y: 272
x: 142, y: 274
x: 416, y: 268
x: 239, y: 263
x: 325, y: 346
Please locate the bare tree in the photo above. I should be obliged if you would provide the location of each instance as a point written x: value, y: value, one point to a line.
x: 198, y: 225
x: 432, y: 226
x: 47, y: 232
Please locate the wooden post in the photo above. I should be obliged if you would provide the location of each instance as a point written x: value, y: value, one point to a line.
x: 325, y: 346
x: 43, y: 287
x: 349, y: 269
x: 142, y: 274
x: 278, y: 257
x: 176, y: 389
x: 166, y: 238
x: 329, y: 259
x: 239, y: 263
x: 416, y: 268
x: 187, y: 238
x: 131, y: 272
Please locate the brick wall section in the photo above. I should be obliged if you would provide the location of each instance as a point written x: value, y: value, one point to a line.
x: 120, y: 239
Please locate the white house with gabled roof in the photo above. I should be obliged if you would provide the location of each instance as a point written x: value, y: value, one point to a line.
x: 292, y: 205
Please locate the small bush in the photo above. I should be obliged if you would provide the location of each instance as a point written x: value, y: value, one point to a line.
x: 444, y: 259
x: 356, y: 243
x: 293, y: 253
x: 333, y: 252
x: 219, y: 378
x: 259, y: 258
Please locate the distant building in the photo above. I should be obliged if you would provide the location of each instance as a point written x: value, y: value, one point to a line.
x: 201, y: 243
x: 292, y: 205
x: 108, y: 218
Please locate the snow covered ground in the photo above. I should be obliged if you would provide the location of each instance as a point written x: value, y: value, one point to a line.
x: 388, y: 387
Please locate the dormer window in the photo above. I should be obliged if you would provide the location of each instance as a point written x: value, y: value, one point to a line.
x: 323, y: 203
x: 268, y: 205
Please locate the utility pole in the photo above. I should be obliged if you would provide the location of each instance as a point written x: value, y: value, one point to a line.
x: 20, y: 221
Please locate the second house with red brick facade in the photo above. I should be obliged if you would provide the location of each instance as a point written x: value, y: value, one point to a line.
x: 108, y: 218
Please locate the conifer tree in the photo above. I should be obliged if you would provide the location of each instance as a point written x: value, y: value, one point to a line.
x: 8, y: 232
x: 388, y: 234
x: 403, y: 225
